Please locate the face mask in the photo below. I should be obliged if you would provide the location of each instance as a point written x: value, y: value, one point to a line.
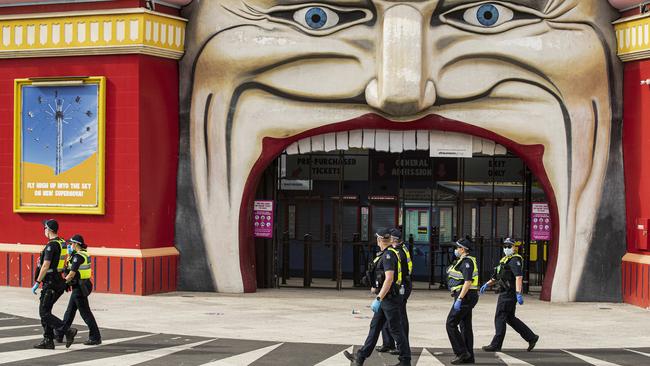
x: 508, y: 251
x: 70, y: 249
x: 457, y: 252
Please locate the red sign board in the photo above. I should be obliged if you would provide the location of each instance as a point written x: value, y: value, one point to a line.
x: 263, y: 219
x: 540, y: 222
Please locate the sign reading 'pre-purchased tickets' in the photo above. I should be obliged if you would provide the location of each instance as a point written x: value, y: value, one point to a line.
x: 263, y: 219
x: 59, y: 149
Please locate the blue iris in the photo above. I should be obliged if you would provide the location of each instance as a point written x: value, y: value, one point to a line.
x: 487, y: 15
x: 316, y: 18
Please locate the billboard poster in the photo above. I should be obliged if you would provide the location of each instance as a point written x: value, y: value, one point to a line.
x: 263, y: 219
x: 59, y: 149
x: 540, y: 222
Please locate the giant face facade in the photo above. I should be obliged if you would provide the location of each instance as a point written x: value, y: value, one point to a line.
x: 537, y: 76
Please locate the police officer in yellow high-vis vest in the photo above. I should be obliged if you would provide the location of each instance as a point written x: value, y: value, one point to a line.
x: 48, y: 273
x: 78, y: 277
x: 388, y: 279
x: 463, y: 283
x: 508, y: 275
x: 406, y: 264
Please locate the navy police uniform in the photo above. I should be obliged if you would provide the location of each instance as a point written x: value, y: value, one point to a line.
x: 505, y: 274
x: 53, y: 287
x: 389, y: 312
x: 459, y: 323
x: 405, y: 292
x: 81, y: 288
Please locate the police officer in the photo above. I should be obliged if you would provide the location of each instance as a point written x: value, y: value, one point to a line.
x: 406, y: 288
x: 463, y: 283
x: 508, y: 275
x: 386, y: 305
x: 78, y: 278
x: 48, y: 274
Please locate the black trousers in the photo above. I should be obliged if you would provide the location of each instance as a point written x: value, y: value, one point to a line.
x: 80, y: 302
x: 388, y: 313
x: 387, y: 339
x: 51, y: 292
x: 505, y: 314
x: 459, y: 325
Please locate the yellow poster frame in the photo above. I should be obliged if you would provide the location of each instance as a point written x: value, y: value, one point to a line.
x: 18, y: 207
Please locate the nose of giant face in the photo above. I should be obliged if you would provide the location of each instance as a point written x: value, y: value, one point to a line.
x: 401, y: 87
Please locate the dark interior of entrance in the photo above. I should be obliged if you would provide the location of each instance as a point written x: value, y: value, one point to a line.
x: 328, y: 207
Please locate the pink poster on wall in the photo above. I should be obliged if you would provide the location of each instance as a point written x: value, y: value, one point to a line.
x: 540, y: 222
x: 263, y: 219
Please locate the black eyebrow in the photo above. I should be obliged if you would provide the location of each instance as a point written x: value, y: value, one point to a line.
x: 446, y: 5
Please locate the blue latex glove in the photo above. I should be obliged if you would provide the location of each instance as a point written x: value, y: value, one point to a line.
x: 484, y: 288
x: 375, y: 306
x: 457, y: 304
x: 520, y: 299
x: 35, y: 287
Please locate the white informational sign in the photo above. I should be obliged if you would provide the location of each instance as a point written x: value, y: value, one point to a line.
x: 295, y: 184
x: 450, y: 145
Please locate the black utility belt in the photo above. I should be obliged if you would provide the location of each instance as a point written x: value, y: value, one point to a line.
x: 457, y: 292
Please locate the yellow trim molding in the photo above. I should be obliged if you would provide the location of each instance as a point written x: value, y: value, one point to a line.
x: 99, y: 252
x: 119, y: 31
x: 636, y: 258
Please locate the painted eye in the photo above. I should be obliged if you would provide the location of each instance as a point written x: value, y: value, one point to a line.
x: 488, y: 15
x: 316, y: 18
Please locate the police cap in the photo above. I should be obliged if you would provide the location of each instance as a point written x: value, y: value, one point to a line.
x: 464, y: 243
x: 383, y: 233
x: 396, y: 233
x: 78, y: 239
x: 51, y: 224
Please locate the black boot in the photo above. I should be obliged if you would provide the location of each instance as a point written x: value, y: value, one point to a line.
x: 491, y: 348
x: 532, y: 343
x: 46, y: 343
x: 353, y: 358
x: 69, y: 337
x: 93, y: 342
x: 385, y: 348
x: 462, y: 359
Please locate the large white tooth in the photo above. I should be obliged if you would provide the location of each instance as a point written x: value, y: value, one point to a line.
x: 382, y: 140
x: 457, y: 144
x: 488, y: 147
x: 356, y: 138
x: 330, y: 141
x: 422, y: 140
x: 292, y: 149
x: 368, y: 139
x: 342, y: 140
x: 500, y: 150
x: 477, y: 145
x: 435, y: 138
x: 396, y: 141
x: 304, y: 146
x: 317, y: 143
x: 409, y: 140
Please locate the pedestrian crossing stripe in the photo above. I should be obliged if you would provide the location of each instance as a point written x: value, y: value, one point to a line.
x: 509, y: 360
x: 244, y: 358
x: 15, y: 356
x: 139, y: 357
x: 591, y: 360
x: 427, y: 359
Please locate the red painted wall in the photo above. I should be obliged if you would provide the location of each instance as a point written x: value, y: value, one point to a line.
x: 158, y: 150
x: 141, y: 147
x: 636, y: 147
x: 114, y: 4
